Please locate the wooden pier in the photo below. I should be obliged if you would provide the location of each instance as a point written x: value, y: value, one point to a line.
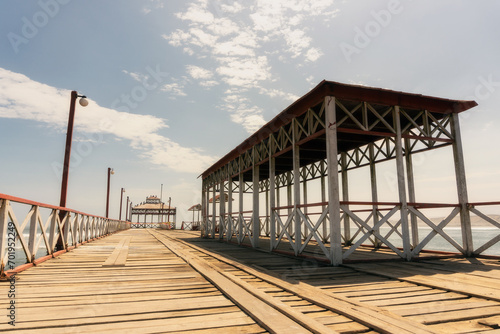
x: 152, y: 281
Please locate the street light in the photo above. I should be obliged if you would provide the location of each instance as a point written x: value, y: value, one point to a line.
x: 121, y: 201
x: 126, y: 209
x: 110, y: 172
x: 69, y: 136
x: 67, y: 153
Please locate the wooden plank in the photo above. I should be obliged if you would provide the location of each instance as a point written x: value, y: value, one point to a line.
x: 119, y: 255
x: 73, y: 292
x: 438, y: 281
x: 360, y: 312
x: 212, y: 321
x: 261, y: 312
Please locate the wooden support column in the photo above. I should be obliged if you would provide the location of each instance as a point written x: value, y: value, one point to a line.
x: 323, y: 199
x: 411, y: 192
x: 214, y: 210
x: 461, y: 180
x: 203, y: 210
x: 241, y: 183
x: 272, y: 199
x: 255, y: 206
x: 402, y: 186
x: 305, y: 231
x: 267, y: 211
x: 296, y: 191
x: 278, y: 203
x: 374, y: 190
x: 222, y: 209
x: 333, y: 181
x: 208, y: 227
x: 345, y: 197
x: 289, y: 200
x: 229, y: 232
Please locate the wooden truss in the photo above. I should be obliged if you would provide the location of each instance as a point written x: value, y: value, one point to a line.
x: 326, y: 140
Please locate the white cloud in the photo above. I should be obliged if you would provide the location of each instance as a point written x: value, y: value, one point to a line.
x: 140, y: 77
x: 174, y: 88
x: 153, y: 4
x: 242, y: 37
x: 199, y: 72
x: 23, y: 98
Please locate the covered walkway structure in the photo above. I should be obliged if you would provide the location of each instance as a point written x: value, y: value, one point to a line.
x: 290, y: 179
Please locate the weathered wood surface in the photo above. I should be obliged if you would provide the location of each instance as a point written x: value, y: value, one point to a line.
x: 152, y: 291
x: 147, y: 281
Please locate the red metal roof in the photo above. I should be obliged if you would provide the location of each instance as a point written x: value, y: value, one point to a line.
x: 344, y: 92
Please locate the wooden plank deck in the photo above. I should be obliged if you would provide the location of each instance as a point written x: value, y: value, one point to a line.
x: 155, y: 291
x: 150, y: 281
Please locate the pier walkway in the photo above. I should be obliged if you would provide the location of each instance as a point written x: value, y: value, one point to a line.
x: 165, y: 281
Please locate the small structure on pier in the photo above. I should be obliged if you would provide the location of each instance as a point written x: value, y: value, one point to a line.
x: 161, y: 215
x: 193, y: 225
x: 317, y: 142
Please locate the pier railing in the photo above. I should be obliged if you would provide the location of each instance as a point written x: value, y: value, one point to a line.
x: 374, y: 224
x: 45, y: 230
x: 495, y: 237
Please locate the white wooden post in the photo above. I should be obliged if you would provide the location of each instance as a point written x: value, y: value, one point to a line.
x: 289, y: 200
x: 214, y: 210
x: 461, y: 180
x: 345, y: 196
x: 333, y: 181
x: 255, y: 206
x: 296, y: 191
x: 402, y: 185
x: 323, y: 199
x: 240, y: 204
x: 4, y: 221
x: 222, y: 209
x: 229, y: 232
x: 411, y: 192
x: 32, y: 236
x: 272, y: 199
x: 374, y: 190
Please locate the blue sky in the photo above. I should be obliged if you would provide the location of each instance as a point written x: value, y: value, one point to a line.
x: 174, y: 85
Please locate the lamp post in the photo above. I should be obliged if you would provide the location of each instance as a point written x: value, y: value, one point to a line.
x: 69, y: 137
x: 110, y: 172
x: 161, y: 202
x: 67, y: 153
x: 168, y: 212
x: 121, y: 201
x: 126, y: 210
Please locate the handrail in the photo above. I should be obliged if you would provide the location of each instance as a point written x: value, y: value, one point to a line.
x: 70, y: 227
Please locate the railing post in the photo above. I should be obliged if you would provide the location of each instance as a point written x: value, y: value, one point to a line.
x: 32, y: 235
x: 4, y: 221
x: 52, y: 229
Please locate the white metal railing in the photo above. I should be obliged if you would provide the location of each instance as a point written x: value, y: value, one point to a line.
x: 62, y: 229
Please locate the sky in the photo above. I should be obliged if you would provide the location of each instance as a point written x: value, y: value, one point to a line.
x: 175, y: 85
